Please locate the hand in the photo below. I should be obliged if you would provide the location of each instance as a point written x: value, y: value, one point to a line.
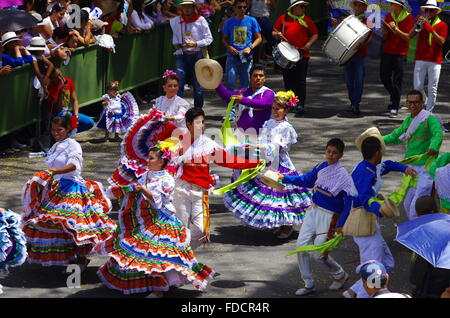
x: 280, y: 176
x: 247, y: 50
x: 339, y: 230
x: 138, y: 187
x: 169, y: 118
x: 205, y: 238
x: 189, y: 43
x: 233, y: 50
x: 277, y: 35
x: 393, y: 26
x: 237, y: 98
x: 334, y: 21
x: 5, y: 70
x: 306, y: 48
x: 46, y: 93
x: 432, y: 152
x: 410, y: 172
x: 446, y: 293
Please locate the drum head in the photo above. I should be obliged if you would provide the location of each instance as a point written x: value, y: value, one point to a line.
x: 289, y: 51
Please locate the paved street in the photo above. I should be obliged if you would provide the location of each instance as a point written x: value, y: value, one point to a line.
x: 252, y: 263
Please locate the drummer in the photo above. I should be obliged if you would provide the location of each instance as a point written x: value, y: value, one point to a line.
x: 300, y: 31
x: 354, y: 69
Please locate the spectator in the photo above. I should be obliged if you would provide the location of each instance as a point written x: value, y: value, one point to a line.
x: 41, y: 29
x: 207, y: 8
x: 62, y: 98
x: 117, y: 20
x: 169, y: 9
x: 41, y: 65
x: 375, y: 280
x: 104, y: 40
x: 83, y: 34
x: 260, y: 10
x: 55, y: 18
x: 190, y: 33
x: 241, y: 34
x: 154, y: 10
x: 57, y: 44
x: 14, y: 54
x: 39, y: 6
x: 139, y: 19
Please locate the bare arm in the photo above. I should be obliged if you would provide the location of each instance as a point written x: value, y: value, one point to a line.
x: 69, y: 168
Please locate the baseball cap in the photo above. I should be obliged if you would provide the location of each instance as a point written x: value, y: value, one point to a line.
x: 372, y: 270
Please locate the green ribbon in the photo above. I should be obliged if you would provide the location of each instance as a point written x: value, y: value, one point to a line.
x: 430, y: 36
x: 299, y: 19
x: 227, y: 132
x: 322, y: 248
x: 402, y: 16
x: 246, y: 175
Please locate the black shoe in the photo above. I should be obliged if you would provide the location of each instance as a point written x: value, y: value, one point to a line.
x: 350, y: 109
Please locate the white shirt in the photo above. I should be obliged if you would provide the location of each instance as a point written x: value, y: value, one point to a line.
x: 259, y: 9
x: 146, y: 23
x: 173, y: 107
x: 63, y: 153
x: 114, y: 104
x: 161, y: 185
x: 197, y: 31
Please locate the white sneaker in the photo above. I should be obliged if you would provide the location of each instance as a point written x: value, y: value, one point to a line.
x: 154, y: 295
x: 347, y: 294
x: 393, y: 113
x: 338, y: 284
x: 305, y: 291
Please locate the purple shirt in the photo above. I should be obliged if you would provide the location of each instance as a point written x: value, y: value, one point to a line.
x: 261, y: 104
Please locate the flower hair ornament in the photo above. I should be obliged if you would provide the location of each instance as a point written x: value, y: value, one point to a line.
x: 169, y: 147
x: 114, y: 84
x: 287, y: 97
x: 73, y: 123
x: 168, y: 73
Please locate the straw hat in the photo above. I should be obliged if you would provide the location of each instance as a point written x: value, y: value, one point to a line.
x: 295, y: 2
x: 431, y: 4
x: 39, y: 18
x: 187, y: 2
x: 9, y: 37
x: 399, y: 2
x: 371, y: 132
x: 271, y: 179
x: 209, y: 73
x: 37, y: 44
x: 361, y: 1
x: 388, y: 208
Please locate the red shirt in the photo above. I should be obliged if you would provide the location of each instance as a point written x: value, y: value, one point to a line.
x: 394, y: 44
x: 296, y: 33
x: 53, y: 93
x: 363, y: 51
x: 196, y: 171
x: 433, y: 53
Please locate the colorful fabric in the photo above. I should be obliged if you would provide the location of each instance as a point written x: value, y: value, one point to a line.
x: 148, y: 244
x: 259, y: 206
x: 120, y: 120
x: 335, y: 179
x: 13, y: 251
x: 64, y: 218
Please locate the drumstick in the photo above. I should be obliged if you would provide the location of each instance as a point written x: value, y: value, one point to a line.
x: 281, y: 35
x: 388, y: 26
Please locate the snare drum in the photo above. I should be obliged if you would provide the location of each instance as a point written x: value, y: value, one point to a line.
x: 285, y: 55
x: 344, y: 40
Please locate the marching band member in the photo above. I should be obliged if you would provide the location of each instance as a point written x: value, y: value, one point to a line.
x: 432, y: 34
x: 301, y: 32
x: 396, y: 27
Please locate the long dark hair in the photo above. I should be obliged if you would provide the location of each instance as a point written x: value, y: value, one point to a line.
x: 137, y: 5
x: 62, y: 121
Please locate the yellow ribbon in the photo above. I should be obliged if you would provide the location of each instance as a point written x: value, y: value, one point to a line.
x: 227, y: 133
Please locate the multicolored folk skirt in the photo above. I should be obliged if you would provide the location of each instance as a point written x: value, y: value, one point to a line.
x: 120, y: 122
x: 260, y: 206
x: 64, y: 219
x: 13, y: 251
x: 150, y: 251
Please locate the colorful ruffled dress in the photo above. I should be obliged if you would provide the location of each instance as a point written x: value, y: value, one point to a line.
x: 151, y: 250
x: 173, y: 107
x: 119, y: 114
x: 64, y: 214
x: 13, y: 250
x: 260, y: 206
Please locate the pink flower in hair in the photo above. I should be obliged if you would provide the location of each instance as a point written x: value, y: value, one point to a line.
x: 292, y: 101
x: 170, y: 72
x: 167, y: 154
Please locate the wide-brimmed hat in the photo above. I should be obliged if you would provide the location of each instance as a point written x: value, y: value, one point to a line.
x: 295, y: 2
x: 371, y: 132
x: 388, y: 208
x: 271, y: 179
x: 37, y: 44
x: 186, y: 2
x: 431, y: 4
x: 39, y: 18
x: 97, y: 24
x: 399, y: 2
x: 361, y: 1
x: 9, y: 37
x: 149, y: 2
x: 209, y: 73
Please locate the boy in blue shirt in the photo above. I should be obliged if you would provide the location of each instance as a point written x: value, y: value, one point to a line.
x: 241, y: 34
x: 367, y: 179
x: 333, y: 188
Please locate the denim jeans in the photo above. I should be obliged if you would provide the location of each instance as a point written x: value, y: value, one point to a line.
x: 185, y: 68
x: 354, y: 71
x: 234, y: 67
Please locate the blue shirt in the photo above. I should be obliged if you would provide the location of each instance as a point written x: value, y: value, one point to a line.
x: 339, y: 204
x: 241, y: 32
x: 365, y: 177
x: 16, y: 61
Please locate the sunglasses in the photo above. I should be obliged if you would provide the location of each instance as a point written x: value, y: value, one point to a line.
x: 302, y: 6
x: 415, y: 102
x: 242, y: 7
x: 429, y: 10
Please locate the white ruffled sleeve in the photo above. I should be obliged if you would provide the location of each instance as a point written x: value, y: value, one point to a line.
x: 183, y: 107
x: 162, y: 191
x: 75, y: 155
x: 281, y: 140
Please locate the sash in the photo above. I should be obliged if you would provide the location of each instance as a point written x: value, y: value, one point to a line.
x: 430, y: 36
x: 402, y: 16
x: 420, y: 117
x: 299, y: 19
x: 250, y: 109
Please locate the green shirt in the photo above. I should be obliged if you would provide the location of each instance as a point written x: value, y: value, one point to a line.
x: 428, y: 135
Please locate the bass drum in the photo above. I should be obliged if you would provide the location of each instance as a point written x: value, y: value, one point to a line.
x: 285, y: 55
x: 344, y: 40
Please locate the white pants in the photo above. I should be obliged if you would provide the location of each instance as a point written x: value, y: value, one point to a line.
x: 421, y: 69
x: 424, y: 186
x: 188, y: 202
x: 372, y: 247
x: 314, y: 231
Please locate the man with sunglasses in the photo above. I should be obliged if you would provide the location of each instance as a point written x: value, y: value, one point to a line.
x: 241, y: 34
x: 301, y: 32
x: 423, y: 134
x: 429, y: 51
